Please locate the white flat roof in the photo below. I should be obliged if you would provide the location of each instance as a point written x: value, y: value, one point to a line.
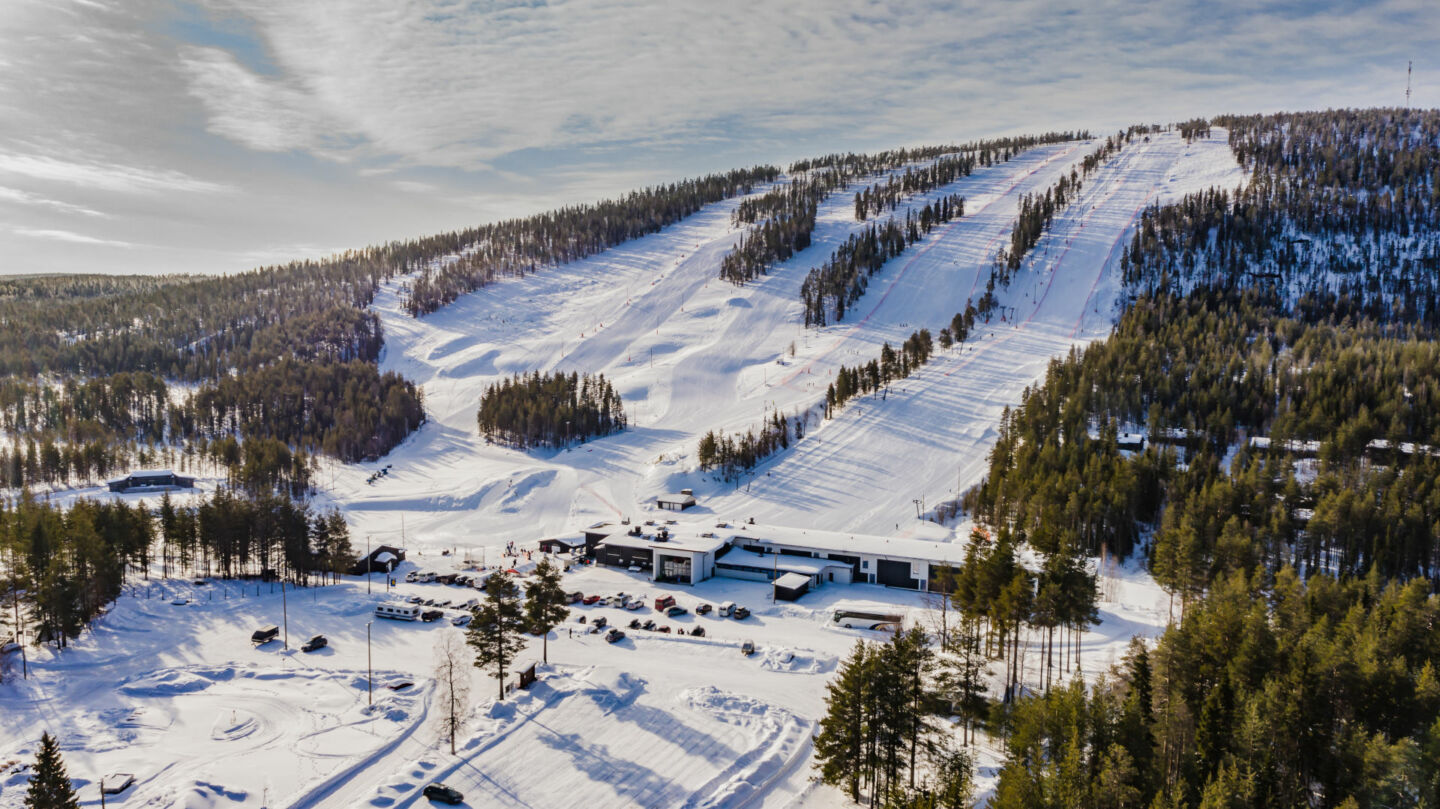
x: 688, y: 536
x: 777, y: 561
x: 792, y: 580
x: 848, y: 543
x: 690, y: 543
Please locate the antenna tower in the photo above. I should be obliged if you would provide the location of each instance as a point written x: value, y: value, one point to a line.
x: 1409, y: 70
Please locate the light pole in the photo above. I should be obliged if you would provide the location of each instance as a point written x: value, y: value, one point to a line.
x: 285, y: 612
x: 369, y: 681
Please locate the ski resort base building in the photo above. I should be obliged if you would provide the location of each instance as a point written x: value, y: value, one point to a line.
x: 774, y: 553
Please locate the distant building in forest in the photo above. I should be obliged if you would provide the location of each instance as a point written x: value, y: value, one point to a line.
x: 159, y: 480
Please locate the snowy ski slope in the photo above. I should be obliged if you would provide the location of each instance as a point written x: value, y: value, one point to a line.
x: 689, y: 353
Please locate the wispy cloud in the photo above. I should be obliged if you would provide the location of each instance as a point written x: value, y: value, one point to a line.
x: 108, y: 177
x: 212, y: 130
x: 70, y: 236
x: 27, y: 198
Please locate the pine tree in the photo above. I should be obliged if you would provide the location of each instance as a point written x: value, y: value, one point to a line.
x: 545, y: 604
x: 50, y: 787
x: 495, y: 632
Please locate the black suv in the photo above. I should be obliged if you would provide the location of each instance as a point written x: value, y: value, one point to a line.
x: 442, y: 793
x: 431, y: 615
x: 317, y: 642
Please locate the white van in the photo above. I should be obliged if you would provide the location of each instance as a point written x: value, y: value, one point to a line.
x: 398, y: 612
x: 727, y: 609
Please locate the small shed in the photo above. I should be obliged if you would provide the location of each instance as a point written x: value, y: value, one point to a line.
x: 525, y: 670
x: 676, y: 502
x: 791, y: 586
x: 381, y: 560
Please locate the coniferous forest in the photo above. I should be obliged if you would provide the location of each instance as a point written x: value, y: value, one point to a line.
x: 552, y: 410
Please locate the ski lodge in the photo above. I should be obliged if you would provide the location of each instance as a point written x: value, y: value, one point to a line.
x: 691, y: 554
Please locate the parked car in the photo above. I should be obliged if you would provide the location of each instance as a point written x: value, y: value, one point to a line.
x: 264, y: 635
x: 726, y: 609
x: 664, y: 603
x: 590, y: 599
x: 648, y: 626
x: 414, y: 599
x: 703, y: 609
x: 431, y: 615
x: 634, y: 623
x: 747, y: 648
x: 603, y: 602
x: 634, y: 604
x: 317, y: 642
x: 599, y: 623
x: 180, y: 602
x: 665, y: 629
x: 614, y: 635
x: 412, y: 576
x: 574, y: 597
x: 741, y: 613
x: 698, y: 632
x: 676, y: 610
x: 463, y: 619
x: 471, y: 604
x: 442, y: 793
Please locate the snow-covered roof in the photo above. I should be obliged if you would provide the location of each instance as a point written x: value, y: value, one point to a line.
x: 739, y: 557
x: 384, y: 556
x: 685, y: 499
x: 692, y: 543
x: 848, y: 543
x: 571, y: 541
x: 791, y: 581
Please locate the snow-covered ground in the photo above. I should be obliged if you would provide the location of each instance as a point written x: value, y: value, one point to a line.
x: 177, y: 696
x: 689, y: 353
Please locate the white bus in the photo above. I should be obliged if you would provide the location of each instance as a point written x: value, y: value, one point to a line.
x: 867, y: 618
x: 398, y: 612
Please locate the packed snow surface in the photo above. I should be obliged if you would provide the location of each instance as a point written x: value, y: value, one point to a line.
x: 178, y: 696
x: 690, y: 353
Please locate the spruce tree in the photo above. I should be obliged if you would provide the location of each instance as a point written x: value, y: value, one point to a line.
x: 50, y: 787
x: 841, y: 744
x: 495, y: 632
x: 545, y: 604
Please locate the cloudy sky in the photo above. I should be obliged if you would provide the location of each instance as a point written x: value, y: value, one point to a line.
x: 152, y: 136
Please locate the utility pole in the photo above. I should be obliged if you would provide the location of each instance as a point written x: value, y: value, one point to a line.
x: 369, y: 677
x: 368, y: 571
x: 285, y: 613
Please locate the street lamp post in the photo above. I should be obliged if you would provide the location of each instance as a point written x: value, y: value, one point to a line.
x: 285, y: 611
x: 369, y: 676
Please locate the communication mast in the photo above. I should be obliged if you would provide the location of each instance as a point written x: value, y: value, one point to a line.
x: 1409, y: 70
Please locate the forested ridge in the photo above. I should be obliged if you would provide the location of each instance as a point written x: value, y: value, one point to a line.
x: 1278, y: 353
